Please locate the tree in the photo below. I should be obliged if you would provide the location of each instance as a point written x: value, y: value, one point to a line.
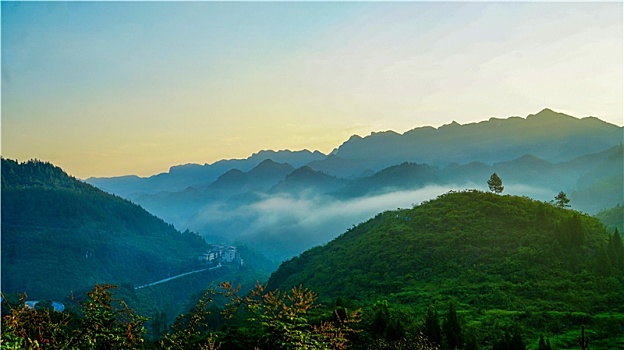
x: 431, y: 329
x: 603, y: 264
x: 495, y: 184
x: 282, y: 319
x: 544, y: 344
x: 516, y: 342
x: 24, y: 327
x: 561, y: 200
x: 583, y: 342
x: 107, y: 323
x: 187, y: 332
x: 452, y: 329
x: 618, y: 247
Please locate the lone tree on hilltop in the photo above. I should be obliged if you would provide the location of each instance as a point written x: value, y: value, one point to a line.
x: 495, y: 183
x: 561, y: 200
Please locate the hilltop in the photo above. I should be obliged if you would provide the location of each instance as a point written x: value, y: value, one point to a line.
x: 493, y: 256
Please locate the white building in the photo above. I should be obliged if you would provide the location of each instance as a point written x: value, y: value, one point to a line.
x: 220, y: 253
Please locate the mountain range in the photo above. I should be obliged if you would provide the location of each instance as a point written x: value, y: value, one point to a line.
x: 552, y: 136
x: 262, y: 199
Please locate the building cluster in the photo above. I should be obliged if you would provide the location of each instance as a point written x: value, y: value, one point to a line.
x: 221, y: 253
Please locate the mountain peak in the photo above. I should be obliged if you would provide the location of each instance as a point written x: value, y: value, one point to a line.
x: 549, y: 114
x: 451, y: 124
x: 270, y: 168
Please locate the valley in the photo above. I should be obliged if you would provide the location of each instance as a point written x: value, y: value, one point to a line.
x: 401, y: 228
x: 284, y: 202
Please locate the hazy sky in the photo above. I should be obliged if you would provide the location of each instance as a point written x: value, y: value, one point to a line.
x: 114, y: 88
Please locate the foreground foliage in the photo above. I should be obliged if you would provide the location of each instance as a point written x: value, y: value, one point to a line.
x: 261, y: 319
x: 100, y: 322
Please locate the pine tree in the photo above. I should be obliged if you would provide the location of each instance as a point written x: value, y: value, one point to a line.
x: 431, y: 329
x: 561, y: 200
x: 618, y: 247
x: 575, y: 230
x: 516, y: 342
x: 544, y: 345
x: 612, y: 252
x: 583, y: 342
x: 471, y: 342
x: 541, y: 344
x: 603, y: 263
x: 452, y: 329
x: 503, y: 343
x: 495, y: 184
x: 381, y: 320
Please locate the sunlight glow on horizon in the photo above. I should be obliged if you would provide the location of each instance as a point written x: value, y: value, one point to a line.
x: 108, y: 89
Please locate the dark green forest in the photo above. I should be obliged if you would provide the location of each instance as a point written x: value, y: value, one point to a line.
x: 60, y: 235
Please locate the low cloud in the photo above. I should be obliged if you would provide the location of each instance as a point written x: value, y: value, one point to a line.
x: 284, y: 225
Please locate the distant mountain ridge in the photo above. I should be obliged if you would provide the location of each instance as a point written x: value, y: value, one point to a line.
x: 182, y: 176
x: 551, y: 136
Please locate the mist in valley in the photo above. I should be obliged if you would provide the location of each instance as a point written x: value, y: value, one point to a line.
x: 284, y: 225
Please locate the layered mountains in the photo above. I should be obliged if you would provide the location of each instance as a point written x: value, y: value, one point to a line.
x: 276, y: 196
x: 554, y: 137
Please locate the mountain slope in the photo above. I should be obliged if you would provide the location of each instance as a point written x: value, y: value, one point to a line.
x: 307, y: 179
x: 265, y: 175
x: 61, y: 235
x: 466, y: 240
x: 502, y: 260
x: 395, y: 178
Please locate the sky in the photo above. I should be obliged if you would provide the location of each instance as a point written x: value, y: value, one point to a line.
x: 117, y: 88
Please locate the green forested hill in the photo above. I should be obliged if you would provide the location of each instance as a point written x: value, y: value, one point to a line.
x: 504, y: 261
x: 61, y: 235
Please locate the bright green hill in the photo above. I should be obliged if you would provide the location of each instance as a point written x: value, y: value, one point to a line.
x: 504, y: 260
x: 61, y: 235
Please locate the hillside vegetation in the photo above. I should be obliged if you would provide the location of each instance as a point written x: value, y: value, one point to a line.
x: 61, y: 235
x: 504, y: 261
x: 613, y: 218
